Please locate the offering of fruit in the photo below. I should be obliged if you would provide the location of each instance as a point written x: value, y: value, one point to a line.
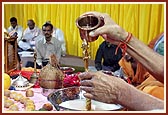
x: 48, y: 106
x: 7, y: 81
x: 51, y: 77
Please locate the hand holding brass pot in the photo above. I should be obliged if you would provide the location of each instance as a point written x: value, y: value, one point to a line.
x: 88, y: 23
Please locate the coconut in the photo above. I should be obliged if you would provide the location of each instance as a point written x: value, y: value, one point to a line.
x: 50, y: 76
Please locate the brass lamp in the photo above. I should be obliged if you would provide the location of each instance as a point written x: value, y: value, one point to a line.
x: 34, y: 76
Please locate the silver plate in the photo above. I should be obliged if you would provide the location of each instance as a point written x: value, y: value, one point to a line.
x: 67, y: 69
x: 72, y: 99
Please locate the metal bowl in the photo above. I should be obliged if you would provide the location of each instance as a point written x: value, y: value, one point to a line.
x: 86, y: 24
x: 20, y: 82
x: 67, y: 70
x: 72, y: 99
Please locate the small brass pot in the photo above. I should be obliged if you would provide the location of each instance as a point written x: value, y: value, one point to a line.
x: 88, y: 23
x: 33, y: 78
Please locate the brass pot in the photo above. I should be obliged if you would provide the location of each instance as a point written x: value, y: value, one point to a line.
x: 33, y: 78
x: 88, y: 23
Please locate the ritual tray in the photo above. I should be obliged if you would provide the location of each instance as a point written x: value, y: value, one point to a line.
x: 67, y: 70
x: 72, y: 99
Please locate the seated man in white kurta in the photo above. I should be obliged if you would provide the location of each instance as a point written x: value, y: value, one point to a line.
x: 30, y: 35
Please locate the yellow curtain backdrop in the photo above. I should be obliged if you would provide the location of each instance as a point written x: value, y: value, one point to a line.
x: 145, y: 21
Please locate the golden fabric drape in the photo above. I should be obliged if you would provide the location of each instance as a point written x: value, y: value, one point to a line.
x: 145, y: 21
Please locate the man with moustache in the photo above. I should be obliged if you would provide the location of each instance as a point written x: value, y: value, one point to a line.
x: 58, y: 33
x: 47, y: 45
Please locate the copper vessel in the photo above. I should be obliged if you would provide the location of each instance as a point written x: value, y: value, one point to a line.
x: 88, y: 23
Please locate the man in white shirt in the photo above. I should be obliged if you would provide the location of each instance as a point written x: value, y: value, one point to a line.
x: 47, y: 45
x: 30, y: 35
x: 15, y: 29
x: 58, y: 33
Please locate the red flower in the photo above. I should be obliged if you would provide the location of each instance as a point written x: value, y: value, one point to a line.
x: 71, y: 80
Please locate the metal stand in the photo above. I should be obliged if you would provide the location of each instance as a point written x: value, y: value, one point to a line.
x: 86, y: 56
x: 34, y: 76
